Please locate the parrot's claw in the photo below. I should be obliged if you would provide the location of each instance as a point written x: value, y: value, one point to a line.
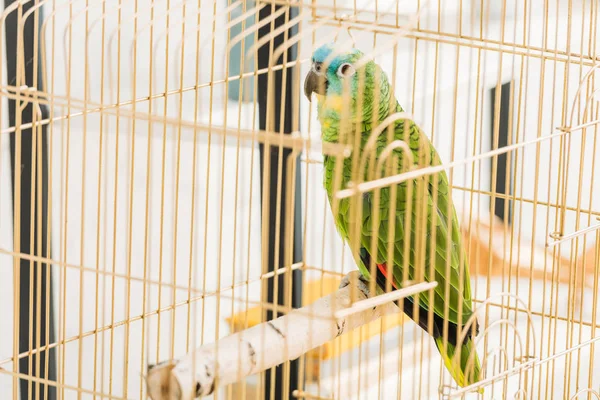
x: 362, y: 284
x: 350, y: 275
x: 345, y: 281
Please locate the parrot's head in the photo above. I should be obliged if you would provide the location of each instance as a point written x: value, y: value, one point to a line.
x: 346, y: 83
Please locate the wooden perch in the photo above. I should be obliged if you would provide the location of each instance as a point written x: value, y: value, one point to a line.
x: 271, y: 343
x: 312, y: 290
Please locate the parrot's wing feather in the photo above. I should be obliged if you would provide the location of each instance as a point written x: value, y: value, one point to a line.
x: 435, y: 252
x: 434, y: 249
x: 434, y: 265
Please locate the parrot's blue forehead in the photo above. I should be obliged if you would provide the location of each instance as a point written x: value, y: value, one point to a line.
x: 323, y: 53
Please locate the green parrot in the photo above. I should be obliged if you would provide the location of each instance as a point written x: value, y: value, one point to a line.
x: 350, y: 89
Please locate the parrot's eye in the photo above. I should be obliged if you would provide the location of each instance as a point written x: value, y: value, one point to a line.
x: 345, y: 70
x: 318, y: 68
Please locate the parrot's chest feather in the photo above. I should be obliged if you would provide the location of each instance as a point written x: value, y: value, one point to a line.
x: 340, y: 172
x: 358, y: 167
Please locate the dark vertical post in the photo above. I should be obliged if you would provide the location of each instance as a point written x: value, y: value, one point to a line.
x: 35, y: 272
x: 275, y: 153
x: 503, y: 186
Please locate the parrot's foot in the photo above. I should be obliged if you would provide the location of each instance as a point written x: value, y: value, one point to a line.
x: 362, y: 283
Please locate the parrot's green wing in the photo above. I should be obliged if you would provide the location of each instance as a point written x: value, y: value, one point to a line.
x: 435, y: 248
x: 430, y: 233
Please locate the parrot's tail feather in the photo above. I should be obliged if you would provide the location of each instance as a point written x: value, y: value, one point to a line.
x: 468, y: 370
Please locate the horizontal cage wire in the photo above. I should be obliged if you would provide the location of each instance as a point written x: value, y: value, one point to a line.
x: 187, y: 189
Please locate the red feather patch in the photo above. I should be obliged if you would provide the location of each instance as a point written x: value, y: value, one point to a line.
x: 383, y: 269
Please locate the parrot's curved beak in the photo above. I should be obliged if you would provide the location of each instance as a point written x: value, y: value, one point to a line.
x: 314, y: 83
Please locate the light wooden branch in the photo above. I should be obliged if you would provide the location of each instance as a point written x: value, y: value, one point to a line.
x: 266, y: 345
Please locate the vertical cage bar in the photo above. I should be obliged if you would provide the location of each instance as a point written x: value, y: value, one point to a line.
x: 33, y: 275
x: 274, y: 153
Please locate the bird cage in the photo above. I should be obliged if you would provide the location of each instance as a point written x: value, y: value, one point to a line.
x: 165, y: 233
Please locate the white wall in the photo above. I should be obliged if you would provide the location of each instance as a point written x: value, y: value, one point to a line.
x: 105, y: 209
